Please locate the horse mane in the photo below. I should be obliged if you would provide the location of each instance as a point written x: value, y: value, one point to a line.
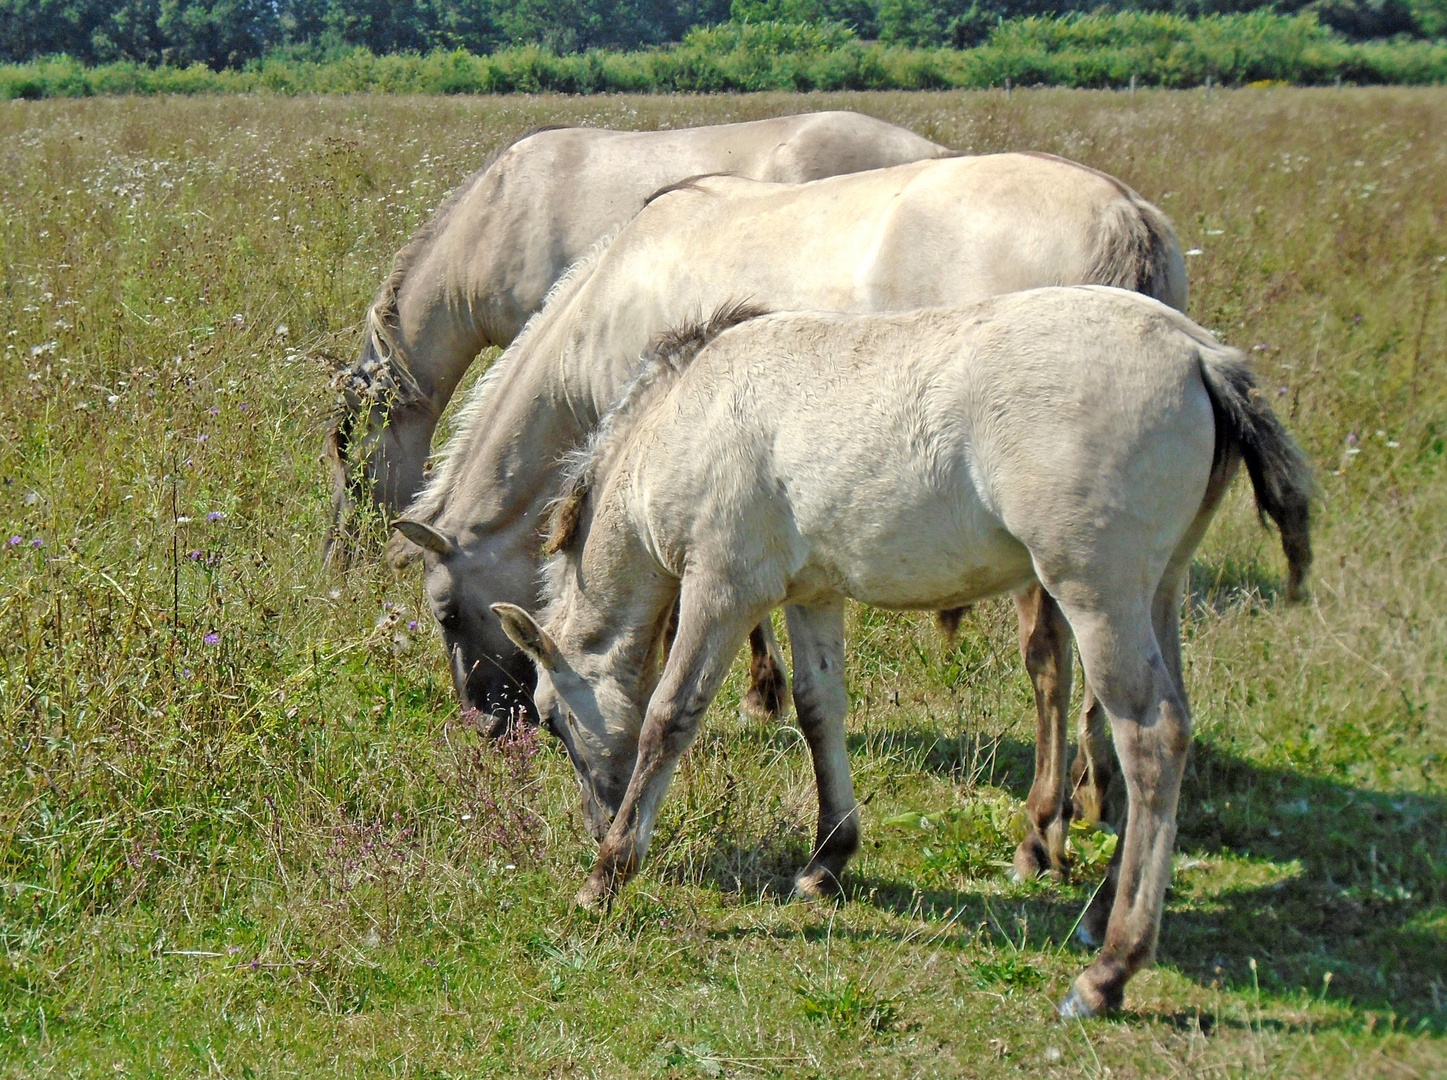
x: 389, y: 374
x: 667, y: 357
x: 446, y: 476
x: 688, y: 183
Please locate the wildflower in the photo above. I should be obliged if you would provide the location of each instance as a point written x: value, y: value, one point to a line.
x: 1282, y: 391
x: 1259, y: 347
x: 215, y: 515
x: 412, y: 623
x: 201, y: 438
x: 194, y: 556
x: 212, y: 638
x: 37, y: 543
x: 16, y: 541
x: 214, y: 411
x: 244, y: 406
x: 1195, y: 251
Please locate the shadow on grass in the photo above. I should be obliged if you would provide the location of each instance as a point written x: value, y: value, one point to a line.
x: 1302, y: 875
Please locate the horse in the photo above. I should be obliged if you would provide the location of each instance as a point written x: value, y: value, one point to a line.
x: 1077, y: 438
x: 932, y: 233
x: 473, y: 274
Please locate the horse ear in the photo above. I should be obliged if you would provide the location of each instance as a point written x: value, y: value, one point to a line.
x: 524, y: 632
x: 426, y: 537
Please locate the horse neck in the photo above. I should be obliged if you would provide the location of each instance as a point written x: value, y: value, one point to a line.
x: 440, y: 328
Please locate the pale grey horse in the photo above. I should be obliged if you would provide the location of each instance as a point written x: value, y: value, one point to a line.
x: 1080, y: 439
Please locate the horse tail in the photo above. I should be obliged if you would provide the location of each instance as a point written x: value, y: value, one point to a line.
x: 1280, y: 474
x: 1136, y: 248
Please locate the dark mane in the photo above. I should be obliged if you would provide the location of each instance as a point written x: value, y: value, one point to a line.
x: 688, y: 183
x: 667, y: 357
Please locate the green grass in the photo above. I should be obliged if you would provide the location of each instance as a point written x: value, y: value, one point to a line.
x: 280, y: 852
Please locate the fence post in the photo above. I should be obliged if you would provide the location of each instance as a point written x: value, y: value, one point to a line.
x: 1208, y: 88
x: 1009, y: 91
x: 1132, y: 86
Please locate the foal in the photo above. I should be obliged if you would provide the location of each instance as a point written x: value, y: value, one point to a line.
x: 1080, y: 438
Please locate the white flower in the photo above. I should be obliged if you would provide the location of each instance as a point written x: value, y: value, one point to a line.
x: 1195, y: 251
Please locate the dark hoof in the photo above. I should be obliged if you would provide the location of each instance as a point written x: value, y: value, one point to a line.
x: 817, y: 883
x: 1075, y: 1007
x: 1031, y: 860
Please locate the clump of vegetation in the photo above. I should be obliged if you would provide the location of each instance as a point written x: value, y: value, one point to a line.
x: 1098, y: 51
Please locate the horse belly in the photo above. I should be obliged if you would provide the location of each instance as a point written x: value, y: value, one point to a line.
x: 922, y: 552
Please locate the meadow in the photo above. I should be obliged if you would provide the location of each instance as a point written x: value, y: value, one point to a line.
x: 244, y: 831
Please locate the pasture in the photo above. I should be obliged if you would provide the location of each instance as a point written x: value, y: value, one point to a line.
x: 244, y: 831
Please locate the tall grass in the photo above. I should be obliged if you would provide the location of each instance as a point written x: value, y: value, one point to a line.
x: 1093, y: 51
x: 243, y: 829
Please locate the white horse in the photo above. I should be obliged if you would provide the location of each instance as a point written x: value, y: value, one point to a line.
x: 1081, y: 438
x: 472, y: 276
x: 933, y: 233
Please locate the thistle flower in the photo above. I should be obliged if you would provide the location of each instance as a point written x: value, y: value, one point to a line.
x: 212, y: 638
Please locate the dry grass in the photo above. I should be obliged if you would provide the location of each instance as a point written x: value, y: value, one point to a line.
x: 277, y: 851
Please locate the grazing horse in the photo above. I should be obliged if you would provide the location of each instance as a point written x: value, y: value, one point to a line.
x: 472, y: 275
x: 933, y: 233
x: 1081, y: 438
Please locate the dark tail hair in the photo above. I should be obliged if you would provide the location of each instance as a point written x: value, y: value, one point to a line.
x: 1280, y: 473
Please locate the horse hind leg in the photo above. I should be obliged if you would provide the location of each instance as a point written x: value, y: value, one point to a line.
x: 1094, y: 765
x: 821, y: 701
x: 1045, y: 645
x: 768, y: 693
x: 1151, y: 724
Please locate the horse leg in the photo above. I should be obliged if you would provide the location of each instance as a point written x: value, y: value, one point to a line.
x: 706, y: 644
x: 1094, y: 767
x: 768, y: 695
x: 816, y: 635
x: 1151, y: 723
x: 1045, y: 645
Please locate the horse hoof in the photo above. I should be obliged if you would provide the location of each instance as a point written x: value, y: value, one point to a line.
x: 816, y: 885
x: 1030, y: 861
x: 1074, y: 1007
x: 759, y: 706
x: 591, y: 897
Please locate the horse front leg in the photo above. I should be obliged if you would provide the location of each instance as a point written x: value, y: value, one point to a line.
x: 1045, y: 645
x: 816, y: 635
x: 705, y: 645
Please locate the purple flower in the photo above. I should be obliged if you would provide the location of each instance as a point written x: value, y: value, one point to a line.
x: 215, y: 412
x: 194, y: 556
x: 16, y: 541
x: 201, y: 438
x: 212, y: 638
x: 215, y: 515
x: 186, y: 673
x: 386, y: 605
x: 37, y: 542
x: 1352, y: 439
x: 412, y: 625
x: 244, y: 406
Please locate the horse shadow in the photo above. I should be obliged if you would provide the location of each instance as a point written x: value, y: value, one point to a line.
x: 1290, y: 886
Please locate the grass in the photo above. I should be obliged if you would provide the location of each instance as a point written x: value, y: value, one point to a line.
x: 243, y: 831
